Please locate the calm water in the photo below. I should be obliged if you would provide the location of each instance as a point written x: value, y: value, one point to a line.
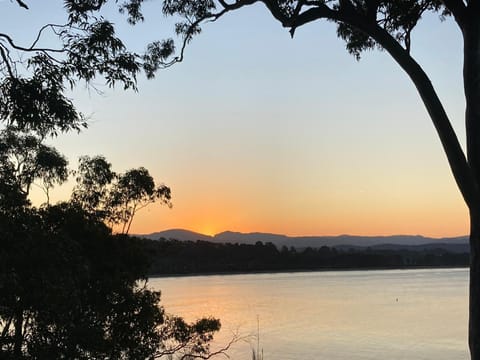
x: 377, y: 315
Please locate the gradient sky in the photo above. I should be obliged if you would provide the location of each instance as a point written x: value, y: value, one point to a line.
x: 255, y: 131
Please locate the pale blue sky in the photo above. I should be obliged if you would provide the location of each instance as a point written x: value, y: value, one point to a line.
x: 255, y: 131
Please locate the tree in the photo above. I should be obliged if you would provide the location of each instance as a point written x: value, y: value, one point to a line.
x: 69, y: 288
x: 93, y: 177
x: 28, y: 159
x: 134, y: 190
x: 116, y: 198
x: 72, y: 290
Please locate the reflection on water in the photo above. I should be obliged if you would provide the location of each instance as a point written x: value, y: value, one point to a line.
x: 391, y: 314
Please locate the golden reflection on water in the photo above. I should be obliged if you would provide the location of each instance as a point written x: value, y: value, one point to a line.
x: 394, y: 314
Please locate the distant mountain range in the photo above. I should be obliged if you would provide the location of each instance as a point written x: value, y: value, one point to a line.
x: 394, y: 242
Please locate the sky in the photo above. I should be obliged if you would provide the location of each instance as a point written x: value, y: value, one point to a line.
x: 256, y: 131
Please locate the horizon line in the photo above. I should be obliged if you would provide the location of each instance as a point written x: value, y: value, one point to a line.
x: 295, y: 236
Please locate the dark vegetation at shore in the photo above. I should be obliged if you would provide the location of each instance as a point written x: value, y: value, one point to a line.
x: 192, y: 257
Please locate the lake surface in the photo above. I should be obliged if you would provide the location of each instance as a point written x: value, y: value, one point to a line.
x: 331, y: 315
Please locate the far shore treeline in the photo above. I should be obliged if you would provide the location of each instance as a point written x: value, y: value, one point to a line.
x: 174, y: 257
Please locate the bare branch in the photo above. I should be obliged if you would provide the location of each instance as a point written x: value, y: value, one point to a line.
x: 175, y: 350
x: 30, y: 49
x: 212, y: 17
x: 222, y: 351
x: 52, y: 26
x: 6, y: 60
x: 22, y: 4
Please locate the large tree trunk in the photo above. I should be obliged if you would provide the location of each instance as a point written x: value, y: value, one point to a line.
x: 466, y: 171
x: 471, y: 77
x: 474, y: 321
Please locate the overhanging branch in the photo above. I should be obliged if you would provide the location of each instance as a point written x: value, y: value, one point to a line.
x: 455, y: 155
x: 210, y: 17
x: 29, y: 49
x: 448, y: 138
x: 320, y: 11
x: 458, y: 10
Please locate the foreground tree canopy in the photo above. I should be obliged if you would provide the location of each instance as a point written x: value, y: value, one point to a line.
x: 34, y: 100
x: 69, y: 287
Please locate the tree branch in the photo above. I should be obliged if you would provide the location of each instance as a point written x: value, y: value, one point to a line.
x: 42, y: 29
x: 171, y: 351
x: 30, y: 49
x: 22, y: 4
x: 458, y: 9
x: 274, y: 9
x: 455, y: 155
x: 321, y: 11
x: 6, y: 327
x: 6, y: 60
x: 212, y: 17
x: 221, y: 351
x: 237, y: 4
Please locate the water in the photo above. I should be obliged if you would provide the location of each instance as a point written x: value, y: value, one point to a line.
x: 348, y: 315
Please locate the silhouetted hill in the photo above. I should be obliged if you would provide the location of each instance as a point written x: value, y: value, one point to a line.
x: 178, y: 234
x: 251, y: 238
x: 395, y: 242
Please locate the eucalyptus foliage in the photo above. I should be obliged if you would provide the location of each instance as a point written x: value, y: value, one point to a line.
x: 69, y: 288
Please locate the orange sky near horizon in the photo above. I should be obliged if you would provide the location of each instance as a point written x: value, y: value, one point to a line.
x: 316, y: 214
x: 214, y: 222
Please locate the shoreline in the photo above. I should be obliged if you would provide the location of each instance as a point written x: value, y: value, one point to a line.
x: 287, y: 271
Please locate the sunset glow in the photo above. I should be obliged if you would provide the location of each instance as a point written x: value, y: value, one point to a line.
x: 287, y: 138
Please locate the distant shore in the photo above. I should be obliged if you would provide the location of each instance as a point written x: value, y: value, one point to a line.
x: 187, y: 258
x: 332, y: 269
